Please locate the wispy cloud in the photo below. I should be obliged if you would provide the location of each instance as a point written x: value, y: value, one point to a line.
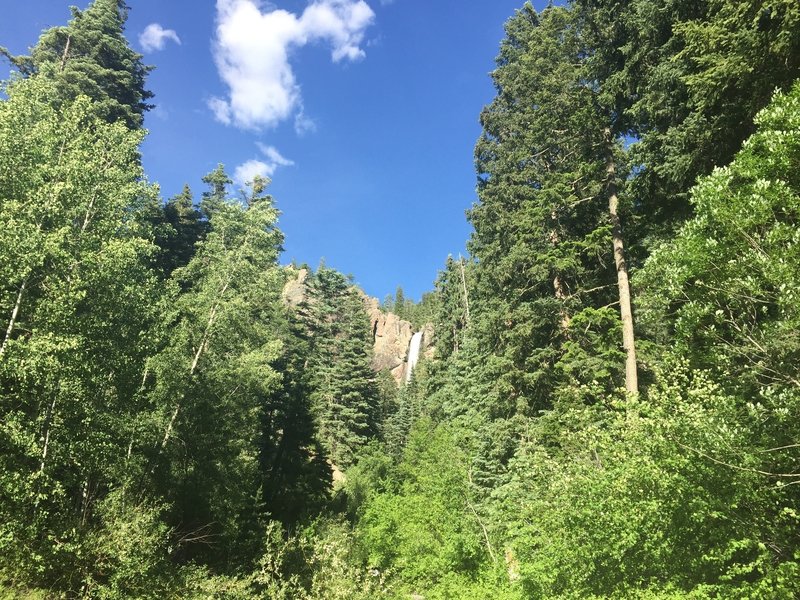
x: 303, y: 124
x: 161, y: 112
x: 251, y: 51
x: 265, y: 167
x: 154, y: 37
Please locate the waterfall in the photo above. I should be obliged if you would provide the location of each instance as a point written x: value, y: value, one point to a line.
x: 413, y: 354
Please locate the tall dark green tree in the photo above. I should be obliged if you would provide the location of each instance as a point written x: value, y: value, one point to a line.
x: 400, y: 302
x: 295, y: 476
x: 90, y: 56
x: 686, y: 79
x: 344, y: 390
x: 179, y: 226
x: 547, y: 216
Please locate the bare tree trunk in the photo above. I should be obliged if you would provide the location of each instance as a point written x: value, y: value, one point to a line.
x: 558, y: 283
x: 46, y: 434
x: 628, y: 341
x: 466, y: 295
x: 66, y: 53
x: 558, y: 287
x: 480, y: 522
x: 86, y: 501
x: 14, y: 314
x: 87, y: 217
x: 200, y: 349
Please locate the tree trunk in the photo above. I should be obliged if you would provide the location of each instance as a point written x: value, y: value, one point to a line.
x: 46, y: 433
x: 558, y: 287
x: 14, y: 314
x: 628, y: 341
x: 464, y: 287
x: 65, y: 54
x: 200, y: 349
x: 558, y: 283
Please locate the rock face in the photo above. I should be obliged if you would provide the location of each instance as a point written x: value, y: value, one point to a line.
x: 391, y: 334
x: 295, y: 289
x: 392, y: 337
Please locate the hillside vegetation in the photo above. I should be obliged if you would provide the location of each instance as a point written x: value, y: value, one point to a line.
x: 612, y: 407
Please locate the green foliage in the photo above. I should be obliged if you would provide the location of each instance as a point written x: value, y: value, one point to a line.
x: 344, y: 394
x: 542, y: 236
x: 399, y: 303
x: 129, y: 551
x: 211, y: 381
x: 453, y: 288
x: 725, y: 289
x: 169, y: 425
x: 77, y: 299
x: 179, y: 227
x: 688, y: 77
x: 663, y: 495
x: 91, y: 57
x: 424, y: 529
x: 418, y: 314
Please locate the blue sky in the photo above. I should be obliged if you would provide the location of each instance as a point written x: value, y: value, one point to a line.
x: 363, y: 112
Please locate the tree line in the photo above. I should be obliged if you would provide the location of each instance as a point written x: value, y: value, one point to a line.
x: 164, y: 411
x: 617, y: 363
x: 611, y: 409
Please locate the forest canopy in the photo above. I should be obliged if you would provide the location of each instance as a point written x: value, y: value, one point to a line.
x: 606, y: 402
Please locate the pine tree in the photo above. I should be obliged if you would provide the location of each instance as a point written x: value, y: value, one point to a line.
x: 546, y: 218
x: 90, y: 56
x: 686, y: 78
x: 296, y: 477
x: 400, y: 303
x: 179, y: 226
x: 344, y: 392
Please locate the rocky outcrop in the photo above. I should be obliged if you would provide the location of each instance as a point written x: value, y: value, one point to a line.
x: 391, y: 336
x: 294, y: 292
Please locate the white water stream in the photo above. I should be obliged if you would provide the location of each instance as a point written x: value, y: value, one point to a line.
x: 413, y: 354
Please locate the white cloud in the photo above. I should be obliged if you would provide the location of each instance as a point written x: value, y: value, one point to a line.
x: 154, y: 37
x: 303, y: 124
x: 221, y: 110
x: 274, y: 156
x: 252, y: 50
x: 246, y: 172
x: 160, y: 111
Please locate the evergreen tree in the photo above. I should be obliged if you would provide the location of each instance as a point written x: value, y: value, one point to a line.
x: 345, y: 395
x: 388, y: 303
x: 296, y: 478
x: 179, y: 227
x: 399, y: 303
x: 452, y: 317
x: 217, y: 193
x: 546, y: 219
x: 90, y: 56
x: 686, y: 78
